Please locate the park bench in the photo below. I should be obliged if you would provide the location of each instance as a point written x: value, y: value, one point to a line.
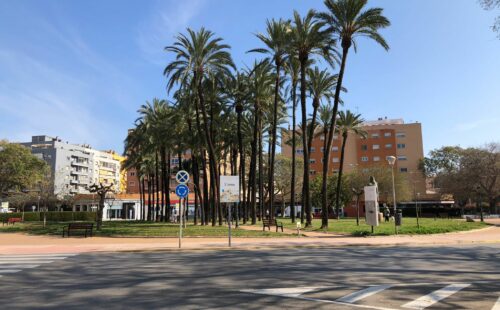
x: 12, y: 220
x: 85, y: 227
x: 271, y: 222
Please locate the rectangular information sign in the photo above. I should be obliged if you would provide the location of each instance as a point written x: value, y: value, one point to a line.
x: 371, y: 205
x: 229, y: 188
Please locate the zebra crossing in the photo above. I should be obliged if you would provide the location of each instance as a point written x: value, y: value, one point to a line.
x: 10, y: 264
x: 412, y: 296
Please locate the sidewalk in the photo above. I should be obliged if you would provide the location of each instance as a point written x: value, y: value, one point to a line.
x: 16, y: 243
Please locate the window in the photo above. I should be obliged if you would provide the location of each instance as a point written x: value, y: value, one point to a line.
x: 132, y: 174
x: 300, y: 151
x: 335, y: 148
x: 131, y: 183
x: 322, y: 138
x: 375, y: 135
x: 376, y: 146
x: 388, y: 146
x: 312, y: 172
x: 322, y: 149
x: 401, y: 146
x: 400, y: 135
x: 387, y: 134
x: 335, y: 170
x: 335, y: 137
x: 313, y: 149
x: 403, y: 169
x: 364, y: 158
x: 376, y: 158
x: 335, y: 159
x: 402, y: 157
x: 312, y: 160
x: 364, y: 147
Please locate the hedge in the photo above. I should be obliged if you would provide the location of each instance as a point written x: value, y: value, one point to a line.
x: 52, y: 216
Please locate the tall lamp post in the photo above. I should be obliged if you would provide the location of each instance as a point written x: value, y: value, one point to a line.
x: 392, y: 160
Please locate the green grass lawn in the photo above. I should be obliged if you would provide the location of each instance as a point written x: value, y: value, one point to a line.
x: 409, y: 227
x: 136, y: 229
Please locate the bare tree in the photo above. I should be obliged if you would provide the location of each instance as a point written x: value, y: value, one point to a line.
x: 101, y: 190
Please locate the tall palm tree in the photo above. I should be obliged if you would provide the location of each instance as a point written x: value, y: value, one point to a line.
x: 347, y: 20
x: 348, y: 122
x: 308, y: 38
x: 325, y: 114
x: 276, y: 40
x: 292, y: 67
x: 261, y: 82
x: 199, y: 56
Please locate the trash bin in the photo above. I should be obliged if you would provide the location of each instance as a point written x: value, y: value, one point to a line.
x: 399, y: 217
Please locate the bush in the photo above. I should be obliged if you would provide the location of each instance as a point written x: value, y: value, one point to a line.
x: 52, y: 216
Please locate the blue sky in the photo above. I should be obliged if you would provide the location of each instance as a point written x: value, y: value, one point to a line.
x: 80, y: 69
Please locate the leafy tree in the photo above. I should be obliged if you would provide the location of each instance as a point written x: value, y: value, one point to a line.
x: 466, y: 174
x: 19, y: 169
x: 344, y: 196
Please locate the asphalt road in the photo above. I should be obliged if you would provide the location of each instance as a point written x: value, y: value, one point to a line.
x: 463, y: 277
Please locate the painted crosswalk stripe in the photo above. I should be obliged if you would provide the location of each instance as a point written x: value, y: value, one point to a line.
x: 28, y: 262
x: 17, y: 266
x: 496, y: 306
x: 285, y: 292
x: 351, y: 298
x: 9, y: 270
x: 432, y: 298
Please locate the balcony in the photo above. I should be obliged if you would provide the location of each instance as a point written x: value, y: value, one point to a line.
x: 74, y: 182
x: 75, y: 172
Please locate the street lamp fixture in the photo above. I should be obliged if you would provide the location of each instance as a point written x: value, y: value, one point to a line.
x: 392, y: 160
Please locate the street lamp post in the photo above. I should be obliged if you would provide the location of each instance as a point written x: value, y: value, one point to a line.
x: 392, y: 160
x: 480, y: 203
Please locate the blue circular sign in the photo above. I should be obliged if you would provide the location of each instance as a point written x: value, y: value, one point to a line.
x: 182, y: 190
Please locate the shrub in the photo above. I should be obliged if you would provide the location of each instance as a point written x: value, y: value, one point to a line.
x: 52, y: 216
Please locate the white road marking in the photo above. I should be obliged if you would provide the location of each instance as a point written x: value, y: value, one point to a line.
x: 285, y: 292
x: 432, y: 298
x: 31, y: 258
x: 496, y: 306
x: 9, y: 270
x: 29, y: 262
x: 351, y: 298
x: 18, y: 266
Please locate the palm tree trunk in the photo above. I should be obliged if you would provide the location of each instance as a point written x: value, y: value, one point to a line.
x: 306, y: 199
x: 294, y: 146
x: 324, y: 207
x: 242, y: 167
x: 157, y: 190
x: 339, y: 179
x: 169, y: 211
x: 333, y: 123
x: 261, y: 170
x: 254, y: 163
x: 274, y: 137
x: 143, y: 198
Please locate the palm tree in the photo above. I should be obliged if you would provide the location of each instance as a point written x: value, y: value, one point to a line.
x: 276, y: 41
x: 308, y: 38
x: 325, y: 114
x: 346, y: 21
x: 200, y: 57
x: 292, y: 67
x: 321, y: 84
x: 348, y: 122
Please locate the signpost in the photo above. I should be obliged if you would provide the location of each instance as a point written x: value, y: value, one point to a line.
x: 229, y: 193
x: 182, y: 191
x: 371, y: 205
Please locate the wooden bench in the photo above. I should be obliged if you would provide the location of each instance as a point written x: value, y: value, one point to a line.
x: 86, y: 227
x: 271, y: 222
x: 12, y: 220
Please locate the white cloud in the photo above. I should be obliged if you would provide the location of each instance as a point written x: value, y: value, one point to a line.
x: 167, y: 19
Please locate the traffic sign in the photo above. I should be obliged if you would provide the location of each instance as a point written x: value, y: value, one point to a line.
x: 182, y: 190
x: 182, y: 177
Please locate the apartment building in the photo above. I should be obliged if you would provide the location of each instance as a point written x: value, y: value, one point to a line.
x: 75, y: 167
x: 386, y: 137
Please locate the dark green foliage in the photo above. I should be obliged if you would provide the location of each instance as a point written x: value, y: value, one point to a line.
x: 52, y: 216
